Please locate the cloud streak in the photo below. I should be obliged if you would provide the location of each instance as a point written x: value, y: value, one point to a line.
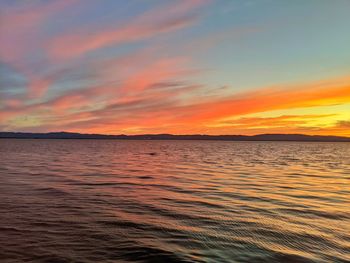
x: 143, y: 74
x: 163, y: 106
x: 165, y: 19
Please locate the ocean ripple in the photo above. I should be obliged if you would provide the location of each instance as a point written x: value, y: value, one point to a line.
x: 174, y: 201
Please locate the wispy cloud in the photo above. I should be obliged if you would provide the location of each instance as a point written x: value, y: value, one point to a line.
x: 22, y: 40
x: 164, y: 106
x: 164, y: 19
x: 63, y: 77
x: 25, y: 21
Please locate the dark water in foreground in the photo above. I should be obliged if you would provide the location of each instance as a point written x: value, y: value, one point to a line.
x: 174, y: 201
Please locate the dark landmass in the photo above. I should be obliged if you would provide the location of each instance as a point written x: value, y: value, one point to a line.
x: 260, y: 137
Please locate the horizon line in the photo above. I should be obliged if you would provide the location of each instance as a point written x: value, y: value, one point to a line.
x: 165, y: 136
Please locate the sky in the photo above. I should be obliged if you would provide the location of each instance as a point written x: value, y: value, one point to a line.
x: 178, y: 66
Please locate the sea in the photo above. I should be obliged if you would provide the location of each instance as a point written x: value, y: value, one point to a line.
x: 174, y: 201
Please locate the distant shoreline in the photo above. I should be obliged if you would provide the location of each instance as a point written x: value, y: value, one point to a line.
x: 259, y: 137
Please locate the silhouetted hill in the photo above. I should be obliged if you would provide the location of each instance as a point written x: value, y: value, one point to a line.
x: 260, y: 137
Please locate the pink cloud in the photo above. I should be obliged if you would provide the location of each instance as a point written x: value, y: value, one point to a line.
x: 162, y: 108
x: 21, y: 37
x: 161, y: 20
x: 24, y: 20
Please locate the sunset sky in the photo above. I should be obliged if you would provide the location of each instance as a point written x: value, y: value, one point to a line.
x: 179, y: 66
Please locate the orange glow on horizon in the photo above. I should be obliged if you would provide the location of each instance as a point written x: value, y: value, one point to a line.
x: 167, y: 68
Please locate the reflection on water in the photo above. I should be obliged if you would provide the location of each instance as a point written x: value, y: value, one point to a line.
x: 174, y: 201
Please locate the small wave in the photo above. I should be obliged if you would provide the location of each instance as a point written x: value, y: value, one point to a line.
x: 173, y: 202
x: 148, y: 254
x: 285, y: 258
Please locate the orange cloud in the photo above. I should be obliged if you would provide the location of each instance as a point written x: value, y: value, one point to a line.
x: 153, y: 99
x: 328, y: 92
x: 280, y: 121
x: 158, y: 71
x: 197, y: 117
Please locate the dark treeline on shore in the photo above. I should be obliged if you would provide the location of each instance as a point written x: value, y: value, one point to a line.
x: 260, y: 137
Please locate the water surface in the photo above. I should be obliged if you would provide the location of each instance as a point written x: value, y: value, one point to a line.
x: 174, y: 201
